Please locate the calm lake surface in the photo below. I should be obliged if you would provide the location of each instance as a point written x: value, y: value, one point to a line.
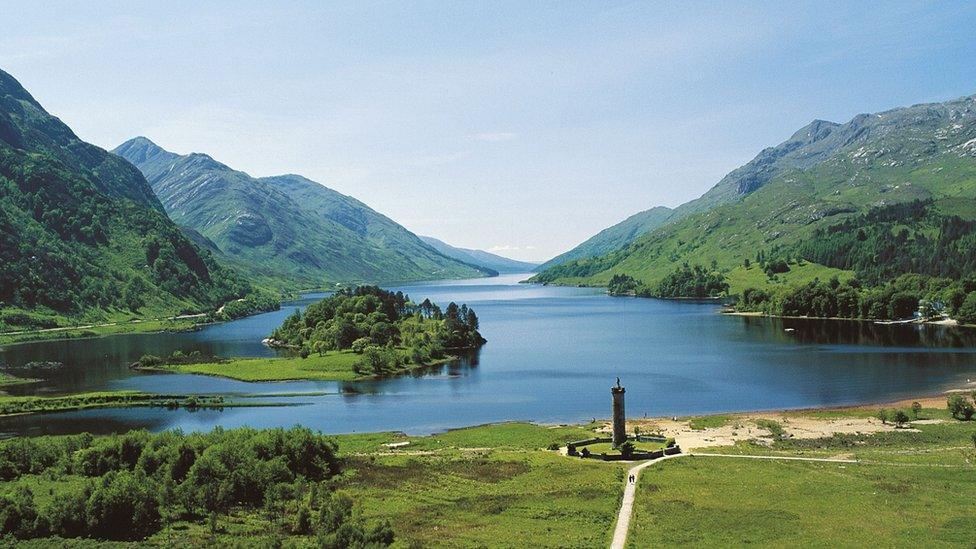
x: 552, y: 355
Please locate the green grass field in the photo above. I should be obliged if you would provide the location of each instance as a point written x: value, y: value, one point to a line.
x: 725, y: 502
x: 491, y: 498
x: 486, y: 486
x: 912, y: 487
x: 607, y: 448
x: 332, y: 366
x: 97, y: 330
x: 14, y: 405
x: 329, y: 367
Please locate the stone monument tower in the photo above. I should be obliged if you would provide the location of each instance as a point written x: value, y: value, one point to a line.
x: 619, y: 419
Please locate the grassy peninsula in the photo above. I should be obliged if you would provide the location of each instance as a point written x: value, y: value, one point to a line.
x: 14, y: 405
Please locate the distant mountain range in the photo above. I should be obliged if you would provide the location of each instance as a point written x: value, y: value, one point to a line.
x: 824, y: 174
x: 286, y: 230
x: 82, y: 233
x: 480, y: 257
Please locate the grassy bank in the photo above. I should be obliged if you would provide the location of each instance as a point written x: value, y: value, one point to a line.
x: 14, y: 405
x: 97, y: 330
x: 8, y: 379
x: 330, y: 366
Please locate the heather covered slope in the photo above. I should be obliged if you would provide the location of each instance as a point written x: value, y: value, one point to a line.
x: 81, y: 233
x: 286, y: 230
x: 823, y: 176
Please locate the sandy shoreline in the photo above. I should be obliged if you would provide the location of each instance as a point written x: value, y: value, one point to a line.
x: 799, y: 423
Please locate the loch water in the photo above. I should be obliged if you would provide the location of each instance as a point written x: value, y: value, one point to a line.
x: 552, y: 355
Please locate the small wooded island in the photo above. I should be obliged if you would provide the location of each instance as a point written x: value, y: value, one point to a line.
x: 355, y: 333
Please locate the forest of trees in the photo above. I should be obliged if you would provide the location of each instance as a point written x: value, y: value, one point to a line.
x: 127, y: 487
x: 907, y: 258
x: 385, y: 327
x: 686, y: 281
x: 899, y: 299
x: 70, y: 249
x: 896, y: 239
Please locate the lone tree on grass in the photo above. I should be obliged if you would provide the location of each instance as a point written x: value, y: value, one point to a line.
x: 901, y: 418
x: 882, y: 415
x: 916, y: 409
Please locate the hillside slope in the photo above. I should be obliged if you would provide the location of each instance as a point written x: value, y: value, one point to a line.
x: 286, y: 230
x: 481, y: 258
x: 81, y: 232
x: 806, y: 148
x: 614, y: 237
x: 825, y: 174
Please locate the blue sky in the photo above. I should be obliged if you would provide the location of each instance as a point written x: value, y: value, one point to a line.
x: 518, y: 127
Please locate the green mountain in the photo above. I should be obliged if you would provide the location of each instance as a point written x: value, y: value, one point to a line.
x: 615, y: 237
x: 286, y: 230
x: 804, y: 149
x: 481, y: 258
x: 790, y: 197
x: 83, y: 235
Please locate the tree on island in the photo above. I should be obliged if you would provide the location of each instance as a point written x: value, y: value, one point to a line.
x: 385, y: 327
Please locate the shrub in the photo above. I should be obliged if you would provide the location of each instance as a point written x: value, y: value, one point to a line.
x: 627, y: 449
x: 773, y: 427
x: 901, y: 418
x: 123, y: 507
x: 303, y: 520
x: 17, y: 512
x: 959, y: 407
x: 360, y: 345
x: 334, y: 512
x: 151, y: 360
x: 65, y: 515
